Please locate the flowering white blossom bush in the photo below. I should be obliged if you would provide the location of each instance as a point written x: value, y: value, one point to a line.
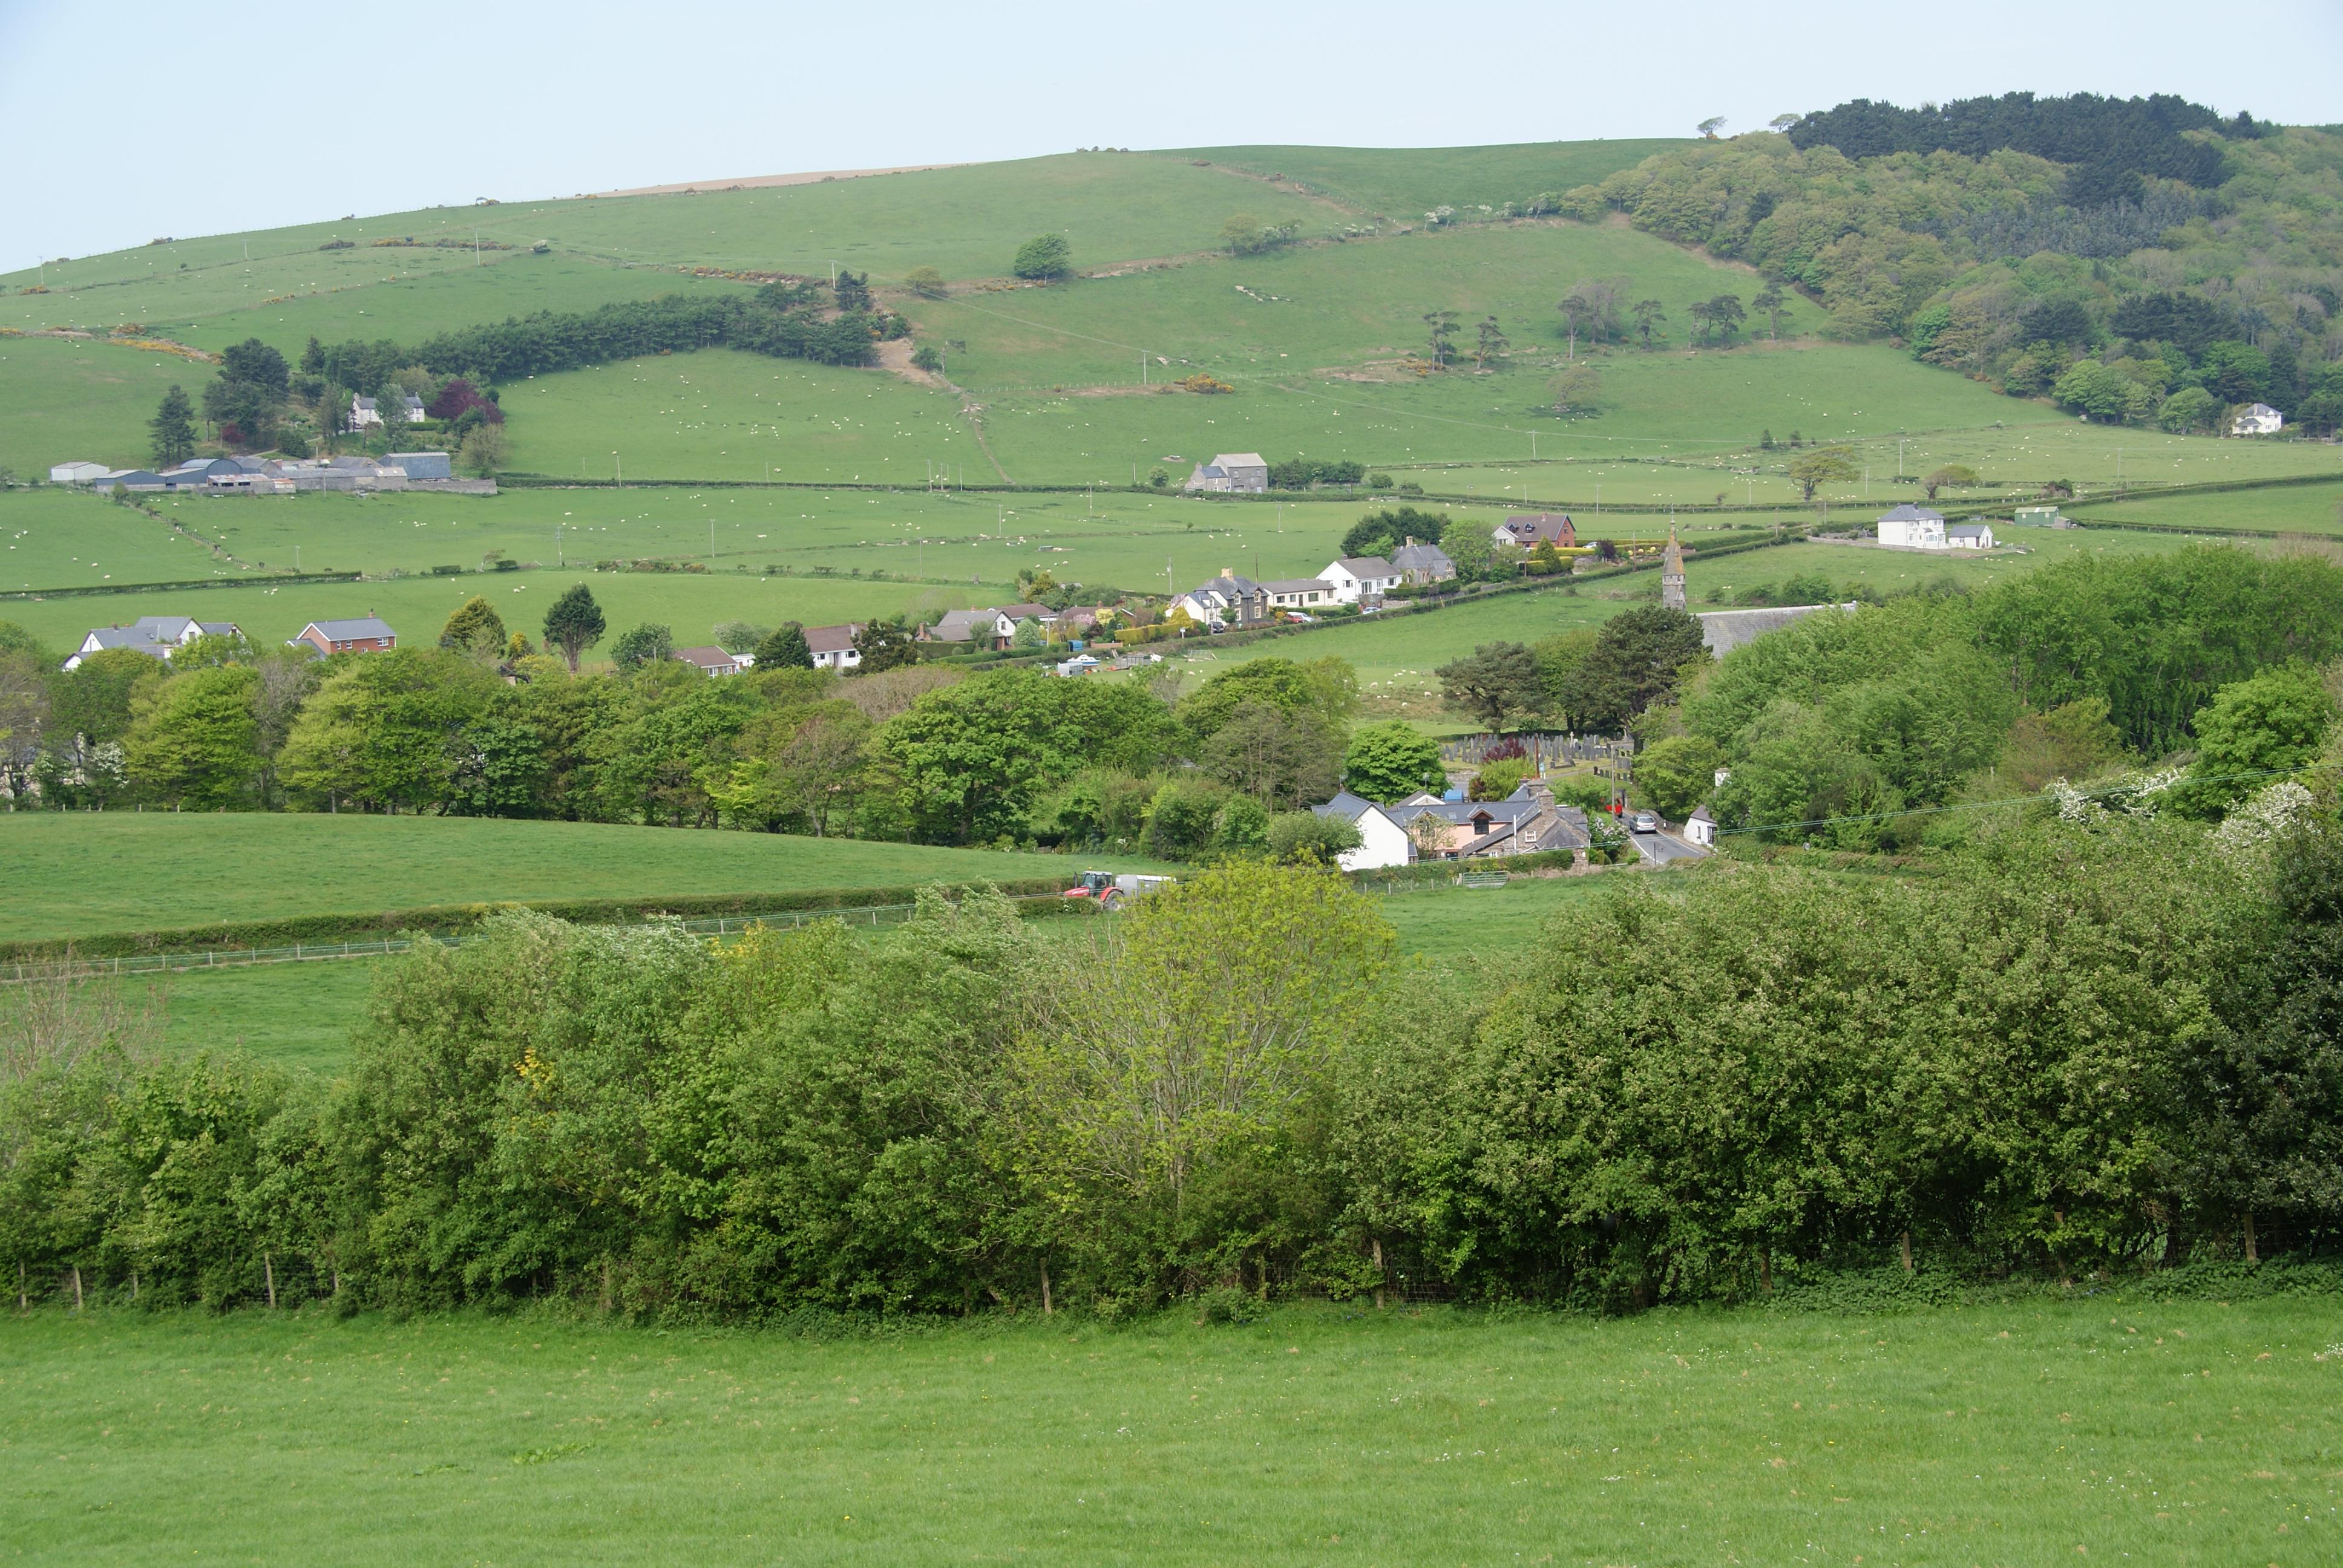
x: 2269, y: 816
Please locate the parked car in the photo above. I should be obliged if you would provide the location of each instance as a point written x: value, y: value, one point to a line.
x: 1645, y: 822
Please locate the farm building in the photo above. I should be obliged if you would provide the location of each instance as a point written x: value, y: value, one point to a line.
x: 1969, y: 536
x: 422, y: 465
x: 77, y: 473
x: 832, y: 647
x: 1357, y: 578
x: 365, y: 634
x: 1382, y: 841
x: 1244, y: 473
x: 1911, y: 528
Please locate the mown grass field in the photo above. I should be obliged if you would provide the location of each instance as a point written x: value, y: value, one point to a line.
x: 2095, y: 1428
x: 74, y: 874
x: 2293, y: 509
x: 57, y: 537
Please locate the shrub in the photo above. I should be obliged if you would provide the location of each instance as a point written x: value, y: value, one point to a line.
x: 1043, y: 257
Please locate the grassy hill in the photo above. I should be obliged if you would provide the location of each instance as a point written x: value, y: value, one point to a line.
x: 1407, y: 181
x: 77, y: 874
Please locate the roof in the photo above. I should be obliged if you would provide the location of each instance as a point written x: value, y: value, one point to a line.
x: 1368, y: 567
x: 163, y: 627
x: 1346, y: 806
x: 1225, y: 584
x: 351, y: 630
x: 366, y: 403
x: 1540, y: 525
x: 1028, y: 612
x: 1298, y: 584
x: 831, y: 639
x: 959, y: 625
x: 703, y: 657
x: 1241, y: 461
x: 1701, y: 814
x: 1416, y: 557
x: 135, y: 636
x: 1723, y: 631
x: 2261, y: 408
x: 1965, y: 531
x: 1909, y: 513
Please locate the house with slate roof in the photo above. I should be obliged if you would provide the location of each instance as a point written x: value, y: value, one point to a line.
x: 1227, y: 600
x: 1911, y: 528
x: 978, y: 627
x: 156, y: 636
x: 1530, y: 529
x: 1423, y: 564
x: 832, y: 647
x: 364, y: 634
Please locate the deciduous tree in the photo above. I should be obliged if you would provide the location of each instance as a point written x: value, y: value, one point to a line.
x: 575, y: 623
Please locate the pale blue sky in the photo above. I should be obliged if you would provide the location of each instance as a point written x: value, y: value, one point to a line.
x: 125, y: 120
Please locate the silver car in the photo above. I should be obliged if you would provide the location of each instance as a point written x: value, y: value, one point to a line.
x: 1645, y: 822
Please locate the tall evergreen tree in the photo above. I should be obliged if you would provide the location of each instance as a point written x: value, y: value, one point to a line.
x: 174, y: 428
x: 785, y: 649
x: 575, y: 623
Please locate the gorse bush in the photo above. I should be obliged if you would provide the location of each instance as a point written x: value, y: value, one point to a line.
x: 2073, y: 1050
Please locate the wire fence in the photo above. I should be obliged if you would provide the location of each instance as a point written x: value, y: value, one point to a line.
x: 719, y: 927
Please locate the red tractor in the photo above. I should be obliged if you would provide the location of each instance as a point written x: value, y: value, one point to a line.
x: 1109, y: 890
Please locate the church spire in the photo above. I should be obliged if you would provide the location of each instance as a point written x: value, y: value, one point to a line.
x: 1672, y: 572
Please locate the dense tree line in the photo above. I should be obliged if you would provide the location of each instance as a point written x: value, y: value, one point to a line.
x: 2106, y: 137
x: 2073, y: 1049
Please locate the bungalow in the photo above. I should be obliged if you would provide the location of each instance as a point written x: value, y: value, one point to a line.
x: 832, y: 647
x: 1382, y: 841
x: 1911, y: 528
x: 1700, y: 830
x: 1357, y: 578
x: 1423, y: 564
x: 711, y: 661
x: 1244, y: 472
x: 77, y: 473
x: 1299, y: 593
x: 1227, y: 600
x: 364, y: 634
x: 977, y: 627
x: 1530, y: 529
x: 2258, y: 419
x: 1968, y: 536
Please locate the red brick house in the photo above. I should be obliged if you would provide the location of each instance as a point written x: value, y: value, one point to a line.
x: 365, y: 635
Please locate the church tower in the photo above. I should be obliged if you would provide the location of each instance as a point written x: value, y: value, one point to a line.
x: 1672, y: 578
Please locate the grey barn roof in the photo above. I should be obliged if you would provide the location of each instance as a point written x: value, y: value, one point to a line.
x: 1723, y: 631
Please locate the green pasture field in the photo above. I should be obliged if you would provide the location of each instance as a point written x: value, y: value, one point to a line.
x: 299, y: 1015
x: 721, y: 414
x: 2289, y: 510
x: 1348, y: 305
x: 71, y: 874
x: 1449, y: 924
x: 2096, y: 1427
x: 688, y: 604
x: 1405, y: 182
x: 62, y: 400
x: 966, y: 221
x: 57, y: 537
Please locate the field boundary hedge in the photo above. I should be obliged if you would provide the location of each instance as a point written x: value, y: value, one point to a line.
x: 274, y: 580
x: 440, y: 920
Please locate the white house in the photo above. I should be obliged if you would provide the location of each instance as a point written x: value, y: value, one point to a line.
x: 156, y: 636
x: 77, y: 473
x: 362, y: 413
x: 1299, y: 593
x: 1968, y: 536
x: 1241, y: 472
x: 832, y: 647
x: 1912, y: 527
x: 2258, y: 419
x: 1382, y: 841
x: 1360, y: 577
x: 1700, y: 830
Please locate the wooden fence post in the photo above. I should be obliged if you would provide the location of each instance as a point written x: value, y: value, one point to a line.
x: 268, y: 1272
x: 77, y: 1271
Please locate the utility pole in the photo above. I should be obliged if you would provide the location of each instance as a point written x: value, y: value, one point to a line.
x: 476, y: 245
x: 711, y: 541
x: 558, y: 560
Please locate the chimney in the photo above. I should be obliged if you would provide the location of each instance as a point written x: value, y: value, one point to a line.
x: 1227, y: 573
x: 1411, y: 541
